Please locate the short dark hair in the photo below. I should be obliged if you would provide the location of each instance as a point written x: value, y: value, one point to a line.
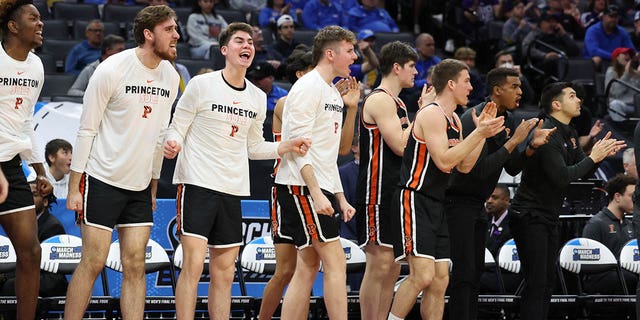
x: 327, y: 37
x: 299, y: 60
x: 504, y: 189
x: 53, y: 146
x: 618, y: 184
x: 552, y: 92
x: 447, y: 69
x: 9, y: 10
x: 148, y: 18
x: 395, y: 52
x: 231, y: 29
x: 498, y: 76
x: 110, y: 41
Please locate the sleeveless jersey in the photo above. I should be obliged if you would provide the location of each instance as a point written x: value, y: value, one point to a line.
x: 419, y: 172
x: 379, y: 166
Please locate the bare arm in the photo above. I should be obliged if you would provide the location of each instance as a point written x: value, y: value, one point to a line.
x: 350, y: 91
x: 380, y: 110
x: 277, y: 115
x: 4, y: 187
x: 372, y: 59
x: 431, y: 126
x: 321, y: 204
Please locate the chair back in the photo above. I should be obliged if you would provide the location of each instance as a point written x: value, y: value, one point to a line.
x: 61, y: 254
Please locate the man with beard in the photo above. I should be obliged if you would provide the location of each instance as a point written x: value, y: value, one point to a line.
x: 118, y: 156
x: 467, y: 192
x: 545, y: 179
x: 23, y: 77
x: 605, y: 36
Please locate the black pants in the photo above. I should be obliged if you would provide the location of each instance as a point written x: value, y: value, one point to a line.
x: 467, y: 235
x: 537, y: 243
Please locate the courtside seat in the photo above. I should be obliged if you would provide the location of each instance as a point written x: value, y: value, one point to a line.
x: 7, y: 264
x: 61, y: 254
x: 581, y: 256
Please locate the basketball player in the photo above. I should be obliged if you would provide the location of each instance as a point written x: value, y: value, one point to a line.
x: 434, y: 148
x: 308, y: 186
x: 23, y: 77
x: 384, y: 131
x: 216, y: 132
x: 118, y: 156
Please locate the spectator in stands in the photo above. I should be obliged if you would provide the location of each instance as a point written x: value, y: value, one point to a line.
x: 552, y: 33
x: 468, y: 56
x: 88, y: 50
x: 567, y: 15
x: 51, y: 284
x: 58, y: 153
x: 271, y: 13
x: 203, y: 27
x: 497, y: 207
x: 477, y: 13
x: 504, y: 59
x: 611, y: 228
x: 297, y: 7
x: 112, y: 44
x: 595, y: 9
x: 285, y: 43
x: 605, y: 36
x: 262, y: 75
x: 264, y: 53
x: 368, y: 15
x: 498, y: 233
x: 426, y: 48
x: 321, y: 13
x: 545, y: 179
x: 635, y: 34
x: 367, y: 59
x: 517, y: 26
x: 621, y: 97
x: 629, y: 163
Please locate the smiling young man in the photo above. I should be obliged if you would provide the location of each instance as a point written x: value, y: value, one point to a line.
x: 118, y: 156
x: 467, y: 192
x: 23, y: 76
x: 545, y: 179
x: 308, y: 186
x: 215, y: 133
x: 434, y: 148
x: 58, y: 153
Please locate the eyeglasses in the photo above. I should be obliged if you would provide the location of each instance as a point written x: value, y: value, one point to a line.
x: 95, y: 30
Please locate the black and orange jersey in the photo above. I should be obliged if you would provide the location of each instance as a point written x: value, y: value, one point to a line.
x: 277, y: 137
x: 419, y: 172
x: 379, y: 166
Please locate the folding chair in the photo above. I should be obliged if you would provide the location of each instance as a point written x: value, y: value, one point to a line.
x: 582, y: 256
x: 120, y: 13
x: 61, y: 254
x: 59, y: 49
x: 7, y: 264
x: 56, y: 85
x: 56, y: 29
x: 244, y: 303
x: 630, y: 257
x: 232, y: 15
x: 72, y: 11
x: 156, y: 259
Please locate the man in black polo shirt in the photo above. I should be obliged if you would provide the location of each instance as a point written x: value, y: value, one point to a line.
x: 467, y: 193
x: 545, y: 180
x: 610, y: 228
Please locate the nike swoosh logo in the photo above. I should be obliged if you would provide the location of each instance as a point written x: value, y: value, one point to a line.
x: 149, y: 81
x: 236, y: 102
x: 20, y: 72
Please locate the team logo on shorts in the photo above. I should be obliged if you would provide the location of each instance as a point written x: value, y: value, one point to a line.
x: 372, y: 232
x: 312, y: 229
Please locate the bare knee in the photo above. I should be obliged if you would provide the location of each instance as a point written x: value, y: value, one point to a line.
x: 29, y: 255
x: 133, y: 264
x: 421, y: 280
x: 284, y: 272
x: 439, y: 284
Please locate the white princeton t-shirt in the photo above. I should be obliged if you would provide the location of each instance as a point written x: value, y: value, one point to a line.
x: 20, y: 85
x: 220, y: 129
x: 125, y: 115
x: 313, y: 109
